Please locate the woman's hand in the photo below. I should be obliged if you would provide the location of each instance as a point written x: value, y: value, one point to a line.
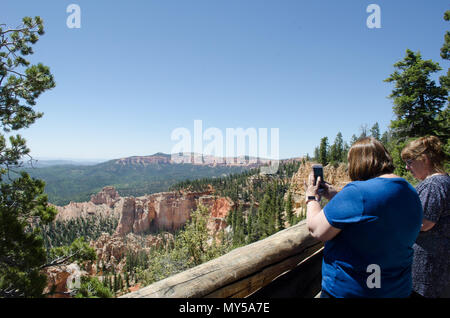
x: 318, y: 225
x: 329, y: 191
x: 311, y: 188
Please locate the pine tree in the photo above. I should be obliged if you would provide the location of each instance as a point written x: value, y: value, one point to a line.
x: 337, y: 150
x: 418, y: 101
x: 22, y: 251
x: 323, y: 151
x: 445, y: 54
x: 385, y: 138
x: 353, y: 140
x: 316, y: 153
x: 375, y: 131
x: 289, y: 209
x: 363, y: 128
x: 444, y: 116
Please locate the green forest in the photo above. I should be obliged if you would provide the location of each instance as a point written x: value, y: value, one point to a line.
x: 67, y: 183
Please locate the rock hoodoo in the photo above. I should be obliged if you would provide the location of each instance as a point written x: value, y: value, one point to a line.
x: 107, y: 196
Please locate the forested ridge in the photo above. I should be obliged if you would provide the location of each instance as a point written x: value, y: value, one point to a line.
x: 67, y: 183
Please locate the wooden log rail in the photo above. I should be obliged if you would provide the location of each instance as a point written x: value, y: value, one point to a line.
x: 286, y: 264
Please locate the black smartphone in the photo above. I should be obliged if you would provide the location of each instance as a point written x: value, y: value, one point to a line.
x: 318, y: 172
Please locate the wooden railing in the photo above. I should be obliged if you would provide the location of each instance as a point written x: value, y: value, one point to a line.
x: 286, y: 264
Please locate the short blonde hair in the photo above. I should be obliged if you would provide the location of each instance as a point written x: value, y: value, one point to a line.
x: 367, y: 159
x: 429, y: 146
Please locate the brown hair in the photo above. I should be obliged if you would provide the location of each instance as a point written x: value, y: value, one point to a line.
x: 429, y: 146
x: 367, y: 159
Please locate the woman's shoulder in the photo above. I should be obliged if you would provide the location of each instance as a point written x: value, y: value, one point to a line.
x: 379, y: 185
x: 435, y: 184
x: 441, y: 181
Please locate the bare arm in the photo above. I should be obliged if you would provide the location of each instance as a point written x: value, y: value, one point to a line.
x: 318, y: 225
x: 427, y: 225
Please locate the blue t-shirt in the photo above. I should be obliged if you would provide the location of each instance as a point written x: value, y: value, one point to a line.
x: 380, y: 220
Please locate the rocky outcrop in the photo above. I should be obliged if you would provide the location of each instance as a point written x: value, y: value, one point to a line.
x: 219, y: 208
x: 172, y: 209
x: 85, y: 209
x: 127, y: 217
x: 111, y: 253
x: 61, y: 280
x: 105, y: 203
x: 165, y: 211
x: 112, y: 250
x: 169, y: 211
x: 108, y: 196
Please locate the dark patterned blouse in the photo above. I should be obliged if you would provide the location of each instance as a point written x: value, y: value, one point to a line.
x: 431, y: 265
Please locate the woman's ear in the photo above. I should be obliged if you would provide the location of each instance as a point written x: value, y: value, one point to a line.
x: 428, y: 163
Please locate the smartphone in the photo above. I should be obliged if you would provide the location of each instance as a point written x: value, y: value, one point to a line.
x: 318, y: 172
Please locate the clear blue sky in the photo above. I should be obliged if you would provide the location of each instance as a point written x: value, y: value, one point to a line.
x: 136, y: 70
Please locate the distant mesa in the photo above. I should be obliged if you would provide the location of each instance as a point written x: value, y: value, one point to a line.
x: 158, y: 158
x: 194, y: 159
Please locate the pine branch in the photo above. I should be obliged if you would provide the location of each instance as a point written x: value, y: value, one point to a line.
x: 60, y: 261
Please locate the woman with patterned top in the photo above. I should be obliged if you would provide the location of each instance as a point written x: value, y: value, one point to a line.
x: 425, y: 159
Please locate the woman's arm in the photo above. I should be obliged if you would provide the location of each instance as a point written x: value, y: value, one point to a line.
x: 427, y: 225
x: 318, y: 225
x: 433, y: 203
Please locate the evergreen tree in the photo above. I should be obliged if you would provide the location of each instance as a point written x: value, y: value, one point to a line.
x: 22, y: 252
x: 418, y: 101
x: 353, y: 140
x: 345, y: 150
x: 239, y: 229
x: 445, y: 54
x: 316, y: 154
x: 289, y: 209
x: 279, y: 214
x: 337, y: 150
x: 375, y: 131
x: 363, y: 129
x: 323, y: 151
x: 444, y: 116
x: 250, y: 227
x: 193, y: 240
x: 386, y: 138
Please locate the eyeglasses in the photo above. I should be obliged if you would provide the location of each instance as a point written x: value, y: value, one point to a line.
x: 409, y: 162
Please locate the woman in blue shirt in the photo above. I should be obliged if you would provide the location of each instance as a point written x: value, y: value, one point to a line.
x: 369, y: 227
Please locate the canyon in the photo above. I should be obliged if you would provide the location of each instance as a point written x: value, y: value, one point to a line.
x: 164, y: 211
x: 140, y: 218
